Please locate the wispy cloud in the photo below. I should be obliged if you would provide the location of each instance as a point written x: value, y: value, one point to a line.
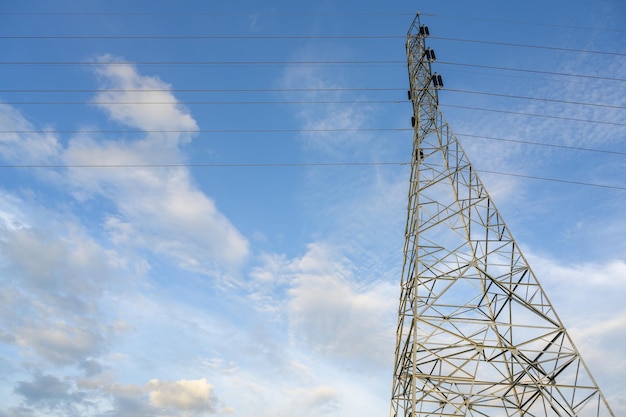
x: 40, y: 147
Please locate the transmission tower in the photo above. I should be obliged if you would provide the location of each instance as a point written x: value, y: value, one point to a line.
x: 476, y: 334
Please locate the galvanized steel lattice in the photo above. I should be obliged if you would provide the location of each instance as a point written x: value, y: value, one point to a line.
x: 476, y: 333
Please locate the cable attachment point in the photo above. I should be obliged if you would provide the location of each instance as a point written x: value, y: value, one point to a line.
x: 437, y: 81
x: 429, y: 54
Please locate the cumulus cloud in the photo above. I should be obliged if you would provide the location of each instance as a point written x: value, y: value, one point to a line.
x: 336, y: 317
x: 72, y: 267
x: 47, y: 389
x: 53, y: 276
x: 158, y: 208
x: 156, y: 398
x: 49, y: 393
x: 61, y: 342
x: 184, y: 396
x: 131, y: 90
x: 329, y: 312
x: 19, y: 147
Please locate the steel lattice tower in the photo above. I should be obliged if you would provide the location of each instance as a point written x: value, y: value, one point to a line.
x: 476, y: 334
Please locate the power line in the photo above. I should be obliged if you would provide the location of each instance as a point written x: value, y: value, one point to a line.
x: 307, y: 103
x: 329, y: 130
x: 203, y: 90
x: 574, y: 119
x: 294, y: 37
x: 199, y: 37
x: 519, y: 22
x: 551, y: 145
x: 198, y: 63
x: 269, y: 90
x: 518, y: 45
x: 208, y: 165
x: 588, y: 184
x: 268, y: 63
x: 302, y: 14
x: 355, y: 101
x: 289, y: 165
x: 564, y: 74
x: 246, y: 14
x: 608, y: 106
x: 236, y: 131
x: 205, y: 102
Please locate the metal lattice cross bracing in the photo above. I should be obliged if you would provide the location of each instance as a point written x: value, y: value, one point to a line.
x: 476, y: 334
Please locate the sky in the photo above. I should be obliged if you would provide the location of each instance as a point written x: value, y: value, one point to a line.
x: 213, y: 224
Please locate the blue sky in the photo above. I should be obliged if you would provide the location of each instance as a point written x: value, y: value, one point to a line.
x: 192, y: 288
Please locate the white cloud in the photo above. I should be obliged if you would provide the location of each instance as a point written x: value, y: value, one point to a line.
x: 160, y: 209
x: 156, y: 398
x: 71, y: 266
x: 60, y: 342
x: 31, y: 148
x: 328, y: 311
x: 335, y: 317
x: 182, y: 396
x: 126, y: 106
x: 52, y: 394
x: 53, y: 277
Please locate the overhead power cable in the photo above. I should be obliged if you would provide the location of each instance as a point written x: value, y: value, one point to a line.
x: 285, y: 90
x: 519, y: 45
x: 301, y: 14
x: 198, y: 63
x: 199, y: 13
x: 548, y: 116
x: 588, y: 184
x: 208, y: 165
x: 315, y: 102
x: 201, y: 90
x: 288, y: 165
x: 329, y: 130
x: 574, y: 119
x: 236, y: 131
x: 199, y: 37
x: 239, y: 131
x: 580, y: 103
x: 520, y: 22
x: 295, y: 37
x: 551, y: 145
x: 283, y: 102
x: 268, y: 63
x: 563, y: 74
x: 108, y: 103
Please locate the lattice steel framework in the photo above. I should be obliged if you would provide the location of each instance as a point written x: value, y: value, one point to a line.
x: 476, y: 333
